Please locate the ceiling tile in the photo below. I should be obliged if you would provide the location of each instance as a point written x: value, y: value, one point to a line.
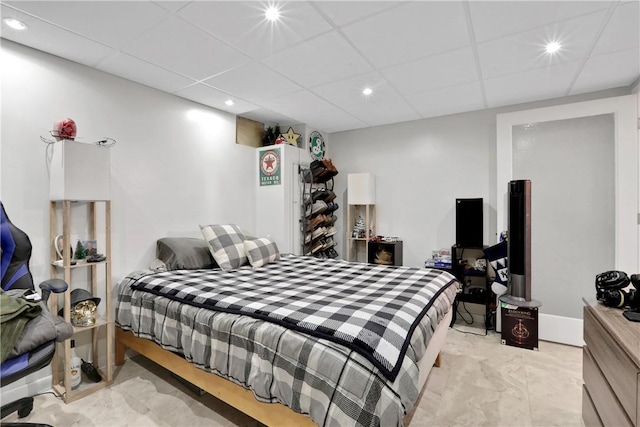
x: 331, y: 121
x: 117, y: 25
x: 209, y: 96
x: 58, y: 42
x: 292, y: 103
x: 269, y: 117
x: 134, y: 69
x: 320, y: 60
x: 393, y: 110
x: 253, y: 81
x: 243, y: 25
x: 524, y: 51
x: 409, y: 32
x: 442, y: 70
x: 345, y: 12
x: 618, y: 69
x: 180, y: 47
x: 449, y: 100
x: 348, y: 92
x: 173, y: 5
x: 623, y: 30
x: 495, y: 19
x: 532, y: 85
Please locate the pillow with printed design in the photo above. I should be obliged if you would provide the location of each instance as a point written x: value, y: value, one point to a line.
x: 226, y: 243
x: 261, y: 251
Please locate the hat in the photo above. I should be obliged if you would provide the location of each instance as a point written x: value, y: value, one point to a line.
x: 383, y: 257
x: 79, y: 295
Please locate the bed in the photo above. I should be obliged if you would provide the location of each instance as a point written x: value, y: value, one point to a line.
x: 290, y: 340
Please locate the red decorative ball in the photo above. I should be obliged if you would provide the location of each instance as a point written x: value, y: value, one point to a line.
x: 64, y: 129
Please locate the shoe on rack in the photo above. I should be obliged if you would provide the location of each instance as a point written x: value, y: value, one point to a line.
x: 318, y: 207
x: 330, y: 196
x: 331, y: 231
x: 315, y: 222
x: 318, y: 169
x: 320, y: 231
x: 317, y: 247
x: 331, y: 207
x: 320, y: 193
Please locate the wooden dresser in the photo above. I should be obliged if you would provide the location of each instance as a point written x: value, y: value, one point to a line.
x: 610, y: 368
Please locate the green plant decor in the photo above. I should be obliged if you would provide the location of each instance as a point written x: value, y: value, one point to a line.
x: 270, y: 135
x: 81, y: 252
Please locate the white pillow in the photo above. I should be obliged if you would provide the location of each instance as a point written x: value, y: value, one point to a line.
x: 261, y: 251
x: 226, y: 243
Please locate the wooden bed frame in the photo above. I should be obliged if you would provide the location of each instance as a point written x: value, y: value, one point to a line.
x: 270, y: 414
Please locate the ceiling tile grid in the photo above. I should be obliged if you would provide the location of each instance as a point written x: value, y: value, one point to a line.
x: 421, y: 58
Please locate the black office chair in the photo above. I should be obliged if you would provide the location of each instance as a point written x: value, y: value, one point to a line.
x: 32, y: 343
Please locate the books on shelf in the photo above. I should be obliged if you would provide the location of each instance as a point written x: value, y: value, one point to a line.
x: 439, y: 259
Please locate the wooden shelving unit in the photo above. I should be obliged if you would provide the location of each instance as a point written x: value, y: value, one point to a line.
x: 357, y: 247
x: 62, y: 358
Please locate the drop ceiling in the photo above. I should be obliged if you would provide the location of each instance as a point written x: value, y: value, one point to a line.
x: 421, y: 58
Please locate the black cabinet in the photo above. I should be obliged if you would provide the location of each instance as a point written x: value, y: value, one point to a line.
x: 385, y: 253
x: 472, y: 275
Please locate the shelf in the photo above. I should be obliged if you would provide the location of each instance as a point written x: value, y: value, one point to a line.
x: 100, y: 355
x: 472, y: 276
x: 100, y: 322
x: 357, y: 247
x: 472, y: 299
x: 79, y: 264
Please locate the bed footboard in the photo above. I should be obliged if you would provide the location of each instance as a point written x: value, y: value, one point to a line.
x: 271, y: 414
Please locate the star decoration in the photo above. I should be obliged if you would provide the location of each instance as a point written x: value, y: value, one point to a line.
x: 268, y: 161
x: 291, y: 137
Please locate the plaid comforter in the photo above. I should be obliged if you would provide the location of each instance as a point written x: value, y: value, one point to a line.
x: 332, y: 383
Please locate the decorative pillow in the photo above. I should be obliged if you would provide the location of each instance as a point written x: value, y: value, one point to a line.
x: 226, y: 243
x: 184, y: 253
x: 261, y: 251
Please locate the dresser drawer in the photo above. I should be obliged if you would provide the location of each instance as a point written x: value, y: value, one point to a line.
x: 590, y: 415
x: 610, y: 410
x: 615, y: 365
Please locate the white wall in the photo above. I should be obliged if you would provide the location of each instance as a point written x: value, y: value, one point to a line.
x: 175, y: 164
x: 421, y: 167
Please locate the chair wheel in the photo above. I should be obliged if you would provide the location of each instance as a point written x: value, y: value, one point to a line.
x: 24, y: 411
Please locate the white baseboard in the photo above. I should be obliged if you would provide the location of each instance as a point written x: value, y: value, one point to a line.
x: 563, y: 330
x: 34, y: 383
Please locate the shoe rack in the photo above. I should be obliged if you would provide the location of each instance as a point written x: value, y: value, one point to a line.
x: 318, y: 209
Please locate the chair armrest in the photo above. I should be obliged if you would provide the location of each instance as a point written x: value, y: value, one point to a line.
x: 52, y: 285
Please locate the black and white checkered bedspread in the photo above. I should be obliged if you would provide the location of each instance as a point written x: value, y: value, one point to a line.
x: 370, y: 309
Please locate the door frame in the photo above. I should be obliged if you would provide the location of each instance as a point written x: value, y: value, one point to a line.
x: 627, y: 188
x: 627, y: 182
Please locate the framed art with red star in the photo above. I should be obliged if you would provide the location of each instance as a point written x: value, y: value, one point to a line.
x: 270, y: 167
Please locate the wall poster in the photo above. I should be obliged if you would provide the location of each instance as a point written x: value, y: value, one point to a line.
x: 270, y: 167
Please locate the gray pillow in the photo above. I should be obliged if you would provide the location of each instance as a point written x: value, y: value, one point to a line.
x: 184, y: 253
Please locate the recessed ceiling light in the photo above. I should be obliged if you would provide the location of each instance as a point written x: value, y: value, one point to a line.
x: 552, y: 47
x: 229, y: 102
x: 272, y: 14
x: 15, y: 23
x: 367, y: 91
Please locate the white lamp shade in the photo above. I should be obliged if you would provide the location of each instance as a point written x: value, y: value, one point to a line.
x: 79, y: 171
x: 361, y: 189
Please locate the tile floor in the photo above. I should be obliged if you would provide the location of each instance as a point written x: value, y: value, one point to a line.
x: 480, y: 383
